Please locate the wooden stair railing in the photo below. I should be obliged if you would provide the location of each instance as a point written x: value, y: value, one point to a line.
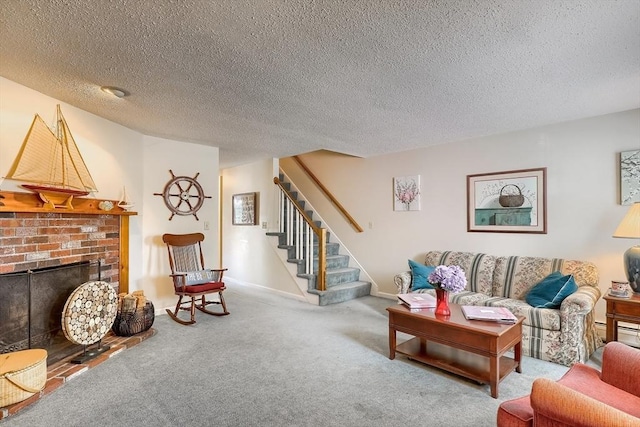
x: 330, y: 196
x: 299, y: 229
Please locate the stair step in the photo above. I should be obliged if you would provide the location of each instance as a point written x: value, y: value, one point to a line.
x: 333, y: 261
x: 337, y: 276
x: 343, y: 292
x: 331, y: 248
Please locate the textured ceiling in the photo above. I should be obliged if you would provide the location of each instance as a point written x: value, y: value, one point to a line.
x: 270, y: 78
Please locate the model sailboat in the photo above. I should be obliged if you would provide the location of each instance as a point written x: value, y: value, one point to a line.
x: 125, y: 203
x: 50, y: 159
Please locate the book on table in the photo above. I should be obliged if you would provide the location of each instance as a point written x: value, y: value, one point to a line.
x: 417, y: 301
x: 493, y: 314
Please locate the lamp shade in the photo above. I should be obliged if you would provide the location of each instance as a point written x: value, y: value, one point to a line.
x: 630, y: 228
x: 630, y: 225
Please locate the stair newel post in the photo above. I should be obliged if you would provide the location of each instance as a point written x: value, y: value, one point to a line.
x: 322, y: 260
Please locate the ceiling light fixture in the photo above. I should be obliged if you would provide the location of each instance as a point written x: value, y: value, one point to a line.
x: 120, y: 93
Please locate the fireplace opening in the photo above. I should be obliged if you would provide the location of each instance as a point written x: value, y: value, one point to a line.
x: 31, y: 305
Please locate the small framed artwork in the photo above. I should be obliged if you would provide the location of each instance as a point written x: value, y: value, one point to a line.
x: 244, y: 209
x: 629, y: 177
x: 406, y: 193
x: 508, y: 202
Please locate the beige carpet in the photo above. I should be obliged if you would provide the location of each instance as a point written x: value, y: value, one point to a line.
x: 275, y: 361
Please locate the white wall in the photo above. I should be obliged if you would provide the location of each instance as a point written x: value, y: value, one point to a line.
x: 250, y: 255
x: 581, y: 158
x: 112, y: 152
x: 117, y: 156
x: 185, y: 160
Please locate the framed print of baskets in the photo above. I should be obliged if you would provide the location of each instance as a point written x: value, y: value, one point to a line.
x: 507, y: 202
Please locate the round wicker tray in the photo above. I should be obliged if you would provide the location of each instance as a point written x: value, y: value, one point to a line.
x: 89, y: 312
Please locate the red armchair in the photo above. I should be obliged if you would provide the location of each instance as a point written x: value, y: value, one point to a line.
x: 584, y: 396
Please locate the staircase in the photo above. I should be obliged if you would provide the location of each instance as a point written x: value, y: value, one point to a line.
x: 342, y: 280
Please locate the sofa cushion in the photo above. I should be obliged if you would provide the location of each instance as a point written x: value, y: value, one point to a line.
x: 469, y: 298
x: 551, y: 291
x: 583, y: 272
x: 542, y: 318
x: 462, y: 298
x: 516, y: 275
x: 419, y: 274
x: 478, y: 268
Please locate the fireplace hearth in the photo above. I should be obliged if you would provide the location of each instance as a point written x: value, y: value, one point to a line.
x: 31, y: 305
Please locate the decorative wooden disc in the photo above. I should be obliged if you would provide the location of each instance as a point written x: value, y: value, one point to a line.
x: 89, y: 312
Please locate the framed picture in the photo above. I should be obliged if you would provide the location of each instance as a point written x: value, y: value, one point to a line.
x: 508, y: 202
x: 406, y: 193
x: 629, y: 177
x: 244, y: 209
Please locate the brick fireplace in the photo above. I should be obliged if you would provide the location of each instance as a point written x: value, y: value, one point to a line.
x: 37, y: 241
x: 32, y: 237
x: 30, y: 241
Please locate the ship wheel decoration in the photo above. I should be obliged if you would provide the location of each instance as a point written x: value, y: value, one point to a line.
x: 183, y: 195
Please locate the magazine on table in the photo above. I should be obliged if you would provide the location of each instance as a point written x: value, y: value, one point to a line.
x: 493, y: 314
x: 417, y: 301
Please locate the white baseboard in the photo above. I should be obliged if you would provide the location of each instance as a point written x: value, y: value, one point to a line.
x: 233, y: 281
x: 386, y: 295
x: 629, y: 335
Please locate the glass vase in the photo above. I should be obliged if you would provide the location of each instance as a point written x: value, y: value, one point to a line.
x: 442, y: 303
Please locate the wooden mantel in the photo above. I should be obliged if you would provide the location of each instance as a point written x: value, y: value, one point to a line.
x: 11, y: 201
x: 22, y: 202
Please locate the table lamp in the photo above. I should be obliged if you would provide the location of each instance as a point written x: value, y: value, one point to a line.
x: 630, y: 228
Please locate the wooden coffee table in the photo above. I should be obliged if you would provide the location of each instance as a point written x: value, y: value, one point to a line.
x: 473, y: 349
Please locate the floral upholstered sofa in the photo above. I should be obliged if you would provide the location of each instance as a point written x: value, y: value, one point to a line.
x: 566, y: 335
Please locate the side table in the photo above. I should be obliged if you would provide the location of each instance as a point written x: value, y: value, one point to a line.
x: 621, y: 310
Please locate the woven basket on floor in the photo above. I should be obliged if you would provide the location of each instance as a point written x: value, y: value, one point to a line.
x: 22, y: 374
x: 133, y: 322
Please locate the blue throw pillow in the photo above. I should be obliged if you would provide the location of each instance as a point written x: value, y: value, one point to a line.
x: 551, y: 291
x: 419, y: 274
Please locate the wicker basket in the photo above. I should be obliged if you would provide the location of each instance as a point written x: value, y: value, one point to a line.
x: 133, y: 322
x: 22, y: 374
x: 511, y: 200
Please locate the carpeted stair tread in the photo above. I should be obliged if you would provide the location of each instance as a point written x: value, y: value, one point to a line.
x: 343, y: 292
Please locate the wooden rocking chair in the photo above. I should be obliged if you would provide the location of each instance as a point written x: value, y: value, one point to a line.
x: 190, y: 278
